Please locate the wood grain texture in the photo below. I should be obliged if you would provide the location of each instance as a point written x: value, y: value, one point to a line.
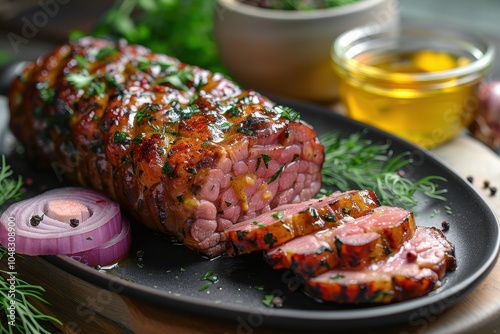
x: 86, y: 308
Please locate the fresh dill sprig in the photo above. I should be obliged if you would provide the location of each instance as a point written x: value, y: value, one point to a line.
x: 27, y: 317
x: 10, y: 188
x: 355, y: 161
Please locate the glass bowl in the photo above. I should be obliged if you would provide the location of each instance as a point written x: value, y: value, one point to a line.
x: 416, y: 82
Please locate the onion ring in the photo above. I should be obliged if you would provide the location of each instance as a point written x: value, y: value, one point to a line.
x: 109, y: 252
x: 53, y: 237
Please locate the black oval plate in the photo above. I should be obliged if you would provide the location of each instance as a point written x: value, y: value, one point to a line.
x: 170, y: 275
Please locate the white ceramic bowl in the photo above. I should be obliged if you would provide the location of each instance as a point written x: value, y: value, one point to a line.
x: 287, y: 53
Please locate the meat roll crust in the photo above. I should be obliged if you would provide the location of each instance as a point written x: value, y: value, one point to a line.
x: 186, y: 151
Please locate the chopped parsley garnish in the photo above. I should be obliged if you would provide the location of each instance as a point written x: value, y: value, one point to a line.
x: 210, y: 276
x: 260, y: 225
x: 287, y: 112
x: 338, y: 246
x: 96, y: 88
x: 337, y: 276
x: 167, y: 169
x: 113, y: 84
x: 279, y: 215
x: 276, y: 175
x: 120, y: 138
x: 144, y: 64
x: 329, y: 218
x: 137, y: 139
x: 81, y: 61
x: 80, y: 80
x: 178, y: 79
x: 46, y: 93
x: 105, y: 52
x: 241, y: 235
x: 246, y: 130
x: 145, y: 112
x: 188, y: 112
x: 234, y: 111
x: 268, y: 300
x: 269, y: 239
x: 266, y: 159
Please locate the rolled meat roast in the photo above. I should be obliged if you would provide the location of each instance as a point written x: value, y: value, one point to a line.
x: 184, y: 150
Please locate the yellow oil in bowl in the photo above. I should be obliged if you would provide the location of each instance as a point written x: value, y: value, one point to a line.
x: 410, y: 85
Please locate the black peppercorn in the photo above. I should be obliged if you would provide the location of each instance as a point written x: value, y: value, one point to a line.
x: 486, y: 184
x: 74, y: 222
x: 470, y: 179
x: 35, y: 220
x: 493, y: 191
x: 445, y: 225
x: 139, y: 255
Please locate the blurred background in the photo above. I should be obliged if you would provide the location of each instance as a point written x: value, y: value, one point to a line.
x: 479, y: 16
x: 187, y: 29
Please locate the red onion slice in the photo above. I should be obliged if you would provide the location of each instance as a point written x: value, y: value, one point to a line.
x: 52, y: 237
x: 109, y: 252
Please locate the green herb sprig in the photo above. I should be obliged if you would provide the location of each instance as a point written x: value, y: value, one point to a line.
x: 28, y: 317
x: 183, y: 29
x: 355, y: 161
x: 10, y: 188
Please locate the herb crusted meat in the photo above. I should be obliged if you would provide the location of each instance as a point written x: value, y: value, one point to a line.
x: 184, y: 150
x: 414, y: 271
x: 287, y: 222
x: 346, y: 248
x: 353, y: 244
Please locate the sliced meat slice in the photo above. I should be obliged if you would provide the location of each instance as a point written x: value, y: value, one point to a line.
x: 286, y: 222
x: 414, y: 271
x: 354, y: 244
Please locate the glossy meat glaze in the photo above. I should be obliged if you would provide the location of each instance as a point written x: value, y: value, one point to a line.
x: 184, y: 150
